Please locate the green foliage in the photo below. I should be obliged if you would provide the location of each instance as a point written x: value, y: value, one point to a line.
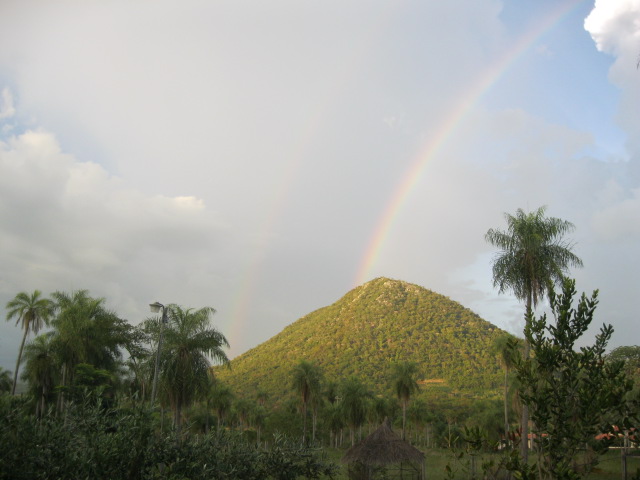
x: 507, y: 357
x: 33, y: 312
x: 405, y: 385
x: 90, y: 442
x: 41, y: 370
x: 354, y: 397
x: 377, y: 323
x: 85, y: 331
x: 189, y: 342
x: 573, y: 395
x: 5, y: 381
x: 532, y: 254
x: 90, y: 380
x: 630, y: 356
x: 220, y: 398
x: 306, y: 381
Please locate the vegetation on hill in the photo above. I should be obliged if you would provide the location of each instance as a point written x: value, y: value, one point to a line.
x: 372, y: 327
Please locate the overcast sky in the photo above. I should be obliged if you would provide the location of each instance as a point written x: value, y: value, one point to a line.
x: 264, y: 157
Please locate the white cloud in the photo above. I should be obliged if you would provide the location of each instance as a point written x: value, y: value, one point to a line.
x: 66, y: 219
x: 615, y: 26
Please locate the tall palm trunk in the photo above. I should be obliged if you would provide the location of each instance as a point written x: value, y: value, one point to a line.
x: 177, y: 416
x: 15, y: 374
x: 404, y: 416
x: 506, y: 408
x: 304, y: 422
x: 314, y: 418
x: 60, y: 406
x: 524, y: 422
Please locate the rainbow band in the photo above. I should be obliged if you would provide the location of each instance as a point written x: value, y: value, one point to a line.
x: 446, y: 130
x: 235, y: 321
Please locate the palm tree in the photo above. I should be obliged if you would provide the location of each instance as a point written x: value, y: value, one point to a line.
x: 334, y: 419
x: 243, y: 407
x: 189, y: 342
x: 405, y: 385
x: 354, y: 402
x: 533, y: 256
x: 220, y: 399
x: 502, y: 347
x: 33, y: 312
x: 316, y: 403
x: 258, y: 418
x: 139, y: 364
x: 86, y: 332
x: 419, y: 415
x: 306, y: 382
x: 41, y: 368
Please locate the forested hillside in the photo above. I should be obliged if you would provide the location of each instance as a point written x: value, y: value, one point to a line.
x: 363, y: 333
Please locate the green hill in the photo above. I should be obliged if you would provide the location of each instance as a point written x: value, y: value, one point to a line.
x: 372, y: 326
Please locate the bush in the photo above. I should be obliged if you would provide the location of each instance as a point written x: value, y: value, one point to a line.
x: 89, y: 441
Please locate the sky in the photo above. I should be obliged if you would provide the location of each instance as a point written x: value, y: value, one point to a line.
x: 264, y: 158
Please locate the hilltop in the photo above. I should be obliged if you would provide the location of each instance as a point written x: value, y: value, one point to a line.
x: 372, y: 326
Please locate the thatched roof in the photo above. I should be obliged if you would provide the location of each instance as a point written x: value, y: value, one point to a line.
x: 383, y: 447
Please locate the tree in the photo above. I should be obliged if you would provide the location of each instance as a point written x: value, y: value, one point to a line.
x: 34, y: 313
x: 354, y: 402
x: 334, y: 419
x: 244, y: 408
x: 331, y: 389
x: 506, y: 357
x: 572, y: 393
x: 189, y: 342
x: 405, y: 385
x: 533, y: 255
x: 85, y: 331
x: 140, y: 364
x: 41, y: 368
x: 220, y: 398
x: 306, y: 382
x: 379, y: 409
x: 418, y: 413
x: 5, y: 380
x: 630, y: 356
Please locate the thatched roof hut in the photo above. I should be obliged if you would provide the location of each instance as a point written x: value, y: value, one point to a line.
x: 384, y: 450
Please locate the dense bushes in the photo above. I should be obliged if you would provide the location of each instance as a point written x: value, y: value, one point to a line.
x: 90, y: 442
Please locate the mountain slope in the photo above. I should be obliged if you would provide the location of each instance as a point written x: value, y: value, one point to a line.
x: 361, y: 334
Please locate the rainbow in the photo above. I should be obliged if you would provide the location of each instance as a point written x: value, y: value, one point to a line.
x: 446, y: 130
x: 235, y: 321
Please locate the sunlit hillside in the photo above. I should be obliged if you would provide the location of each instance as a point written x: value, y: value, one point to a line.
x: 363, y: 333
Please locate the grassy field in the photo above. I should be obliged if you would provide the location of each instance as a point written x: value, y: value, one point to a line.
x: 609, y: 467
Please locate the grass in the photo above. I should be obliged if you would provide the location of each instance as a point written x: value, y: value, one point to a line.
x: 608, y: 468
